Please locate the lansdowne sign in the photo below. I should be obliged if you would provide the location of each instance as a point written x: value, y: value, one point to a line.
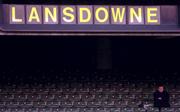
x: 88, y: 18
x: 84, y: 15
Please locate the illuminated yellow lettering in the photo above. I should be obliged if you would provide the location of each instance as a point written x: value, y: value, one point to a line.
x: 152, y: 12
x: 14, y: 19
x: 52, y: 15
x: 82, y: 19
x: 137, y: 15
x: 106, y: 14
x: 118, y: 14
x: 34, y: 15
x: 67, y: 14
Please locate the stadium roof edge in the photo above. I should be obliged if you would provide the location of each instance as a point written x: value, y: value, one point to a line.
x: 157, y: 35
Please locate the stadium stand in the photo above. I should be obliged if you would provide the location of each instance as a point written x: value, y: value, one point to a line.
x: 40, y: 75
x: 78, y: 91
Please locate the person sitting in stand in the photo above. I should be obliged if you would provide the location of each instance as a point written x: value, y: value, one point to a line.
x: 161, y: 98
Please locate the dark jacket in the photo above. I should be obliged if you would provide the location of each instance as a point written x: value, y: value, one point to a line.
x: 161, y: 99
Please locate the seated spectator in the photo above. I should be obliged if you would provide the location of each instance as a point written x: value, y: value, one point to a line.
x: 161, y: 98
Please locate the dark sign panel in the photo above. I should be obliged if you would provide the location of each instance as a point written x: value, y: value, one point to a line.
x: 89, y: 18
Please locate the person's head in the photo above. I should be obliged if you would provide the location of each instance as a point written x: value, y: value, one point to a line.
x: 161, y: 88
